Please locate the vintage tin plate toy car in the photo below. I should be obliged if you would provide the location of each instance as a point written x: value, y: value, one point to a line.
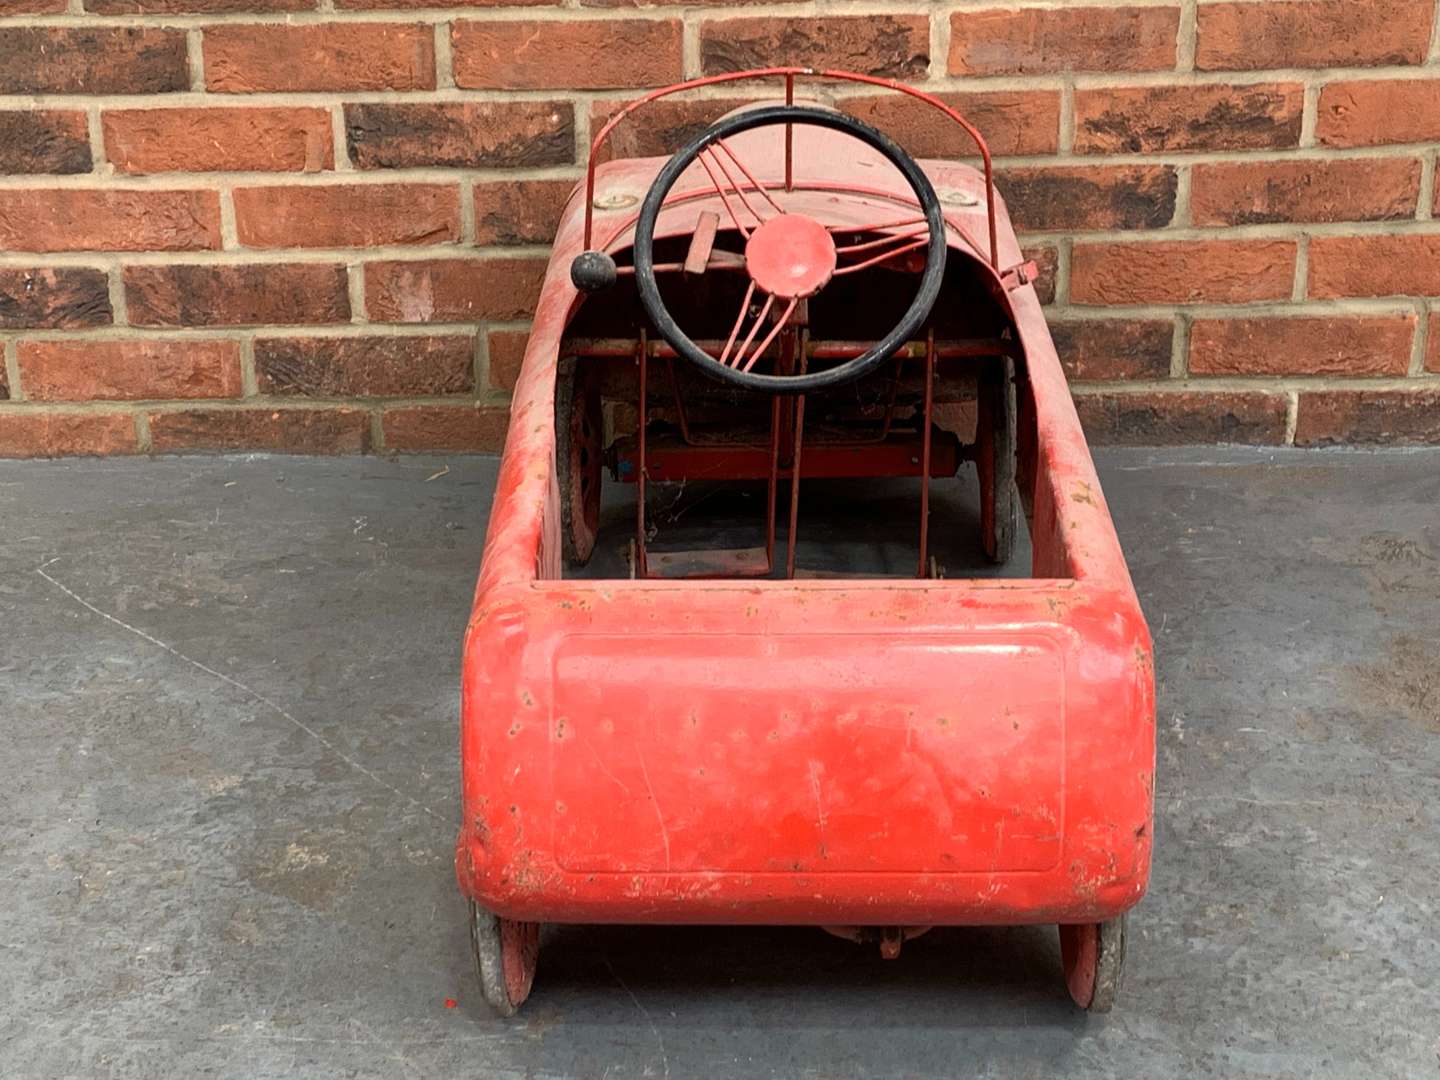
x: 720, y: 734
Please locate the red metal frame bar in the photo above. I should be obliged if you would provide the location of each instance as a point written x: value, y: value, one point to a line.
x: 958, y: 349
x: 792, y: 535
x: 925, y: 454
x: 642, y: 355
x: 790, y: 74
x: 678, y: 198
x: 669, y: 459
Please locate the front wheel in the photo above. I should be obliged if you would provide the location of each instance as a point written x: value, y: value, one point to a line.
x: 506, y: 952
x: 1094, y: 959
x: 579, y: 454
x: 995, y: 461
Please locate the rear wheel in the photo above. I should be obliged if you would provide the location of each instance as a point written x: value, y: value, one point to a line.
x: 1094, y: 958
x: 506, y: 952
x: 995, y: 460
x: 579, y: 431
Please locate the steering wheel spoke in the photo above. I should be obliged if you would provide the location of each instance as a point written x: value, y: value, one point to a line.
x: 871, y: 257
x: 756, y: 184
x: 720, y: 190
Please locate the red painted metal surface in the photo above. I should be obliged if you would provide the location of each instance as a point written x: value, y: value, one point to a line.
x: 826, y: 752
x: 791, y: 256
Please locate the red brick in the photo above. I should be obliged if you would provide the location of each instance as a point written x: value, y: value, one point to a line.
x: 347, y: 215
x: 61, y: 299
x: 1012, y: 121
x: 33, y: 7
x: 896, y: 46
x: 1385, y: 417
x: 1106, y: 349
x: 574, y: 53
x: 278, y: 139
x: 272, y: 293
x: 1182, y: 272
x: 44, y: 141
x: 507, y: 353
x: 1375, y: 266
x: 1323, y: 345
x: 1047, y: 260
x: 1373, y: 113
x: 78, y: 219
x: 1346, y: 189
x: 1176, y: 418
x: 195, y: 7
x: 294, y: 431
x: 241, y: 59
x: 129, y: 370
x: 660, y: 128
x: 520, y: 211
x: 452, y: 290
x: 1035, y: 41
x: 92, y: 60
x: 36, y: 433
x: 366, y: 366
x: 404, y: 5
x: 1070, y: 197
x: 461, y: 135
x: 1432, y: 351
x: 1312, y: 33
x: 460, y: 428
x: 1150, y: 119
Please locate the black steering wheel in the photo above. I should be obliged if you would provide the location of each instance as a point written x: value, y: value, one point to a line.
x: 788, y: 257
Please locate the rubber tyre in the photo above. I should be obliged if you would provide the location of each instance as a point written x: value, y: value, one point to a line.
x: 506, y: 953
x: 995, y: 461
x: 579, y: 454
x: 1094, y: 959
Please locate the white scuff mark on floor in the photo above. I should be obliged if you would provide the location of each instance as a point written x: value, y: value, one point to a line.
x: 659, y: 1039
x: 254, y: 695
x: 395, y: 1054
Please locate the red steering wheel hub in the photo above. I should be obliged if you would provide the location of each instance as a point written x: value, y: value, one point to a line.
x: 790, y: 257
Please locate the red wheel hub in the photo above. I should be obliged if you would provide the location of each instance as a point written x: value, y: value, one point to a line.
x: 791, y: 256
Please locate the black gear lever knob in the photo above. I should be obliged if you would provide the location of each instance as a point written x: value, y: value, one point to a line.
x: 593, y: 271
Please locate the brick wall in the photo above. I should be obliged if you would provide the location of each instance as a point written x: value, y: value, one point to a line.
x: 320, y: 224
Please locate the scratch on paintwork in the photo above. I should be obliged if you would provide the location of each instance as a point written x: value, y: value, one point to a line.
x: 819, y: 802
x: 601, y: 763
x: 659, y: 814
x: 254, y: 695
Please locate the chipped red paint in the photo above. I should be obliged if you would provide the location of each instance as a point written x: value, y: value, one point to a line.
x: 827, y: 752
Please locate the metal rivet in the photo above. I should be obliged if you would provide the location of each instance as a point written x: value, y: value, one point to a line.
x: 956, y: 197
x: 616, y: 200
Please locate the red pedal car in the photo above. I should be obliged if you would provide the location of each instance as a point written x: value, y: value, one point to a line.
x: 724, y: 733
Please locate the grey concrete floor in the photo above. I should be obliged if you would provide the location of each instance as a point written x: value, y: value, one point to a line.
x: 228, y: 776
